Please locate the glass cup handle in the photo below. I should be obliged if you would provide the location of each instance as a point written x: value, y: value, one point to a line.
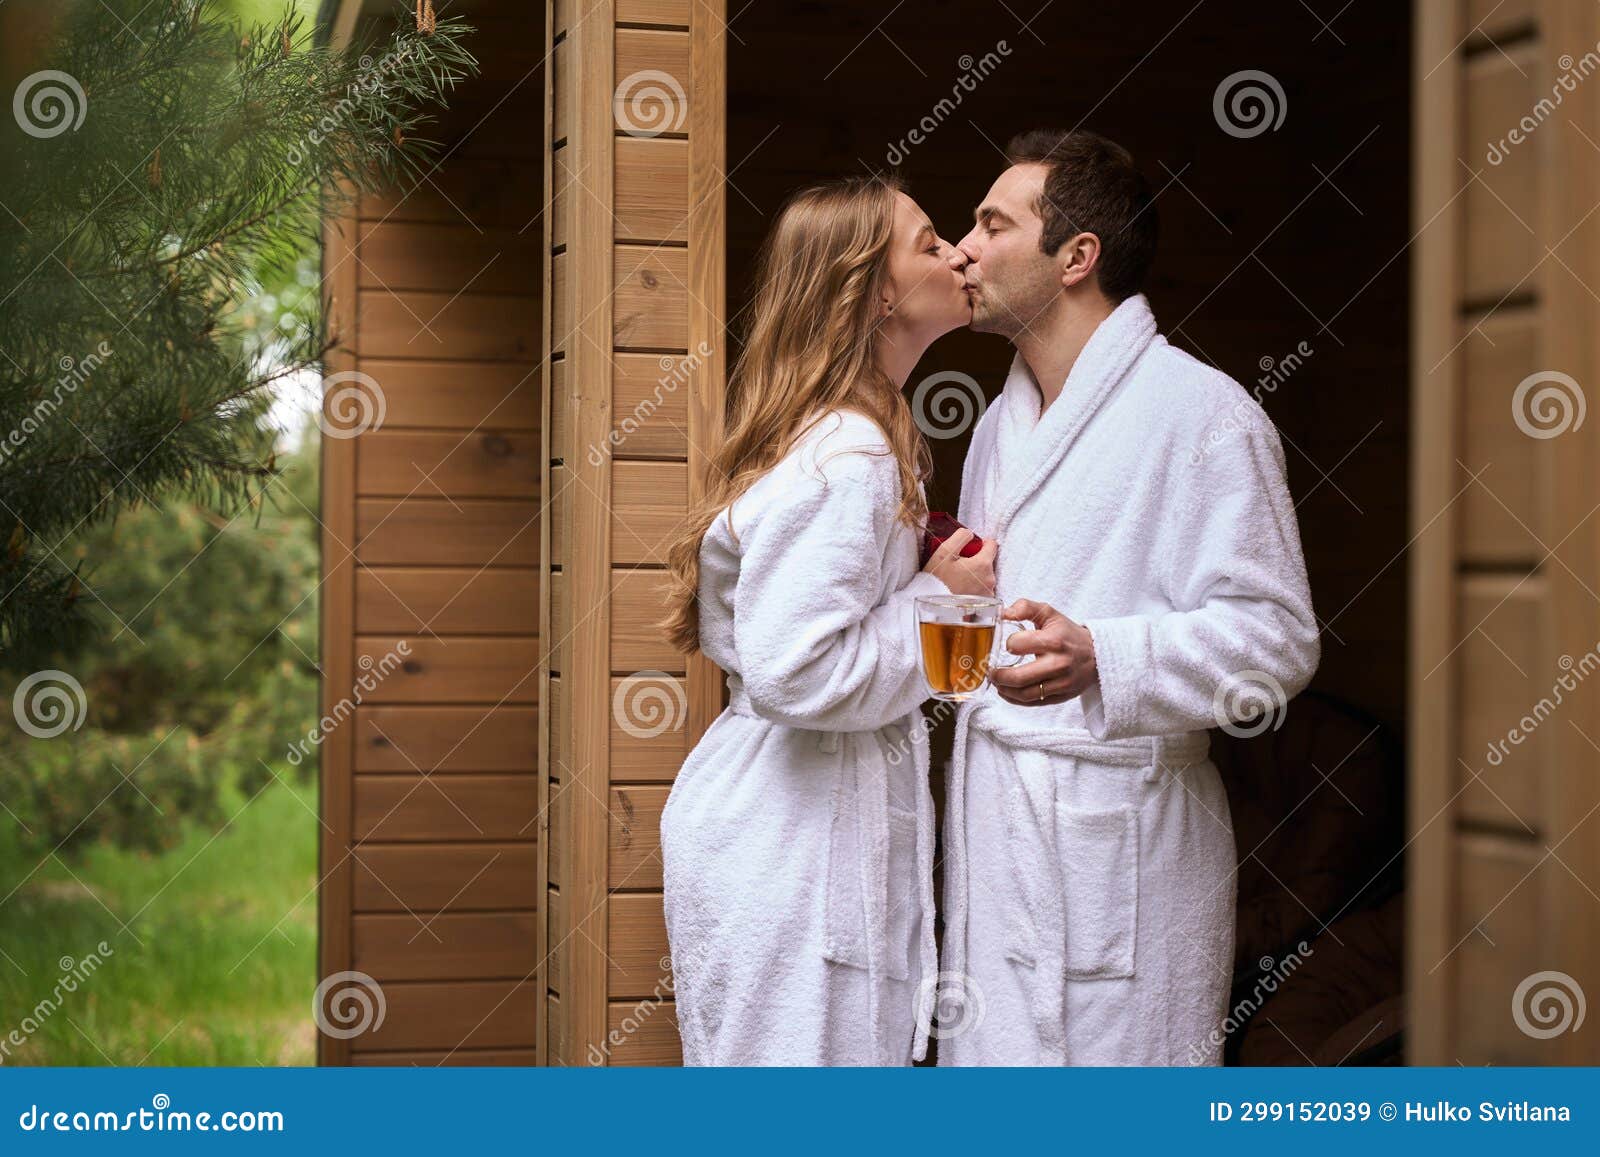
x: 1003, y: 656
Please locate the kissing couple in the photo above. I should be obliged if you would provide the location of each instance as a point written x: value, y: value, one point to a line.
x: 1133, y: 511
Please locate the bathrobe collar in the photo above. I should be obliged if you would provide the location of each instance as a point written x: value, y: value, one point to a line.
x: 1029, y: 449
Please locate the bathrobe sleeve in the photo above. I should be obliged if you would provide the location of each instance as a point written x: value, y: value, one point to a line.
x: 816, y: 648
x: 1242, y: 630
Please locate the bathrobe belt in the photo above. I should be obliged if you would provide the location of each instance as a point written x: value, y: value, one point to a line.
x: 857, y: 905
x: 1034, y: 888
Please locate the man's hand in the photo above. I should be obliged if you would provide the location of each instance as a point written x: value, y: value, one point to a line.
x: 1064, y: 667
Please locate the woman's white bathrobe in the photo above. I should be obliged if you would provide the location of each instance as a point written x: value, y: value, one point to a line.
x: 1091, y: 877
x: 798, y: 837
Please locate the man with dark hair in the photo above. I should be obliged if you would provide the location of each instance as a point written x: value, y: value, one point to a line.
x: 1091, y: 872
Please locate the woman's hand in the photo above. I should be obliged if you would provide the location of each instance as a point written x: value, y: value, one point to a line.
x: 964, y: 576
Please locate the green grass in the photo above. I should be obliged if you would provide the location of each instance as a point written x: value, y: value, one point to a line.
x: 216, y: 963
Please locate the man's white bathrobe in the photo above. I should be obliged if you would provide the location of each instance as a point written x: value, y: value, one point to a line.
x: 1091, y: 874
x: 798, y: 837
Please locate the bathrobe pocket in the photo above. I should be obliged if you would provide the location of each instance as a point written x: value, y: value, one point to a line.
x: 904, y: 903
x: 1100, y: 867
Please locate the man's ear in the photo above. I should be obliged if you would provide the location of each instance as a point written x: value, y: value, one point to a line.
x: 1077, y: 258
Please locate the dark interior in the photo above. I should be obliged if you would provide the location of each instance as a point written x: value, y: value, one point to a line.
x: 1283, y: 262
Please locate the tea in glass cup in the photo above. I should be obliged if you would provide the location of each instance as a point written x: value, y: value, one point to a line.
x: 958, y: 635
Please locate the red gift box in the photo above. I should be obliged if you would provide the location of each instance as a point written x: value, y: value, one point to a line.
x: 940, y: 527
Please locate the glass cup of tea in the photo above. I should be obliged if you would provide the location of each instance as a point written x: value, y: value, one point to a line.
x: 962, y: 637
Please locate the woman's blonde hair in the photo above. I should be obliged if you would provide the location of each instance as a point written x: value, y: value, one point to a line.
x: 809, y: 349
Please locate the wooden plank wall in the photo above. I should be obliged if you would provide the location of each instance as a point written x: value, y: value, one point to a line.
x: 635, y: 308
x: 1504, y: 569
x: 432, y: 840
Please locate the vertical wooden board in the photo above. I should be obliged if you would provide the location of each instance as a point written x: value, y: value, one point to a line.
x: 708, y: 313
x: 651, y: 302
x: 560, y: 644
x: 337, y: 629
x: 558, y: 1034
x: 559, y: 813
x: 558, y: 733
x: 1573, y: 566
x: 561, y: 77
x: 583, y: 309
x: 559, y: 511
x: 560, y: 304
x: 1501, y: 214
x: 558, y: 937
x: 561, y: 417
x: 562, y: 192
x: 649, y: 501
x: 636, y: 836
x: 652, y: 189
x: 1508, y: 717
x: 1432, y: 740
x: 1506, y: 465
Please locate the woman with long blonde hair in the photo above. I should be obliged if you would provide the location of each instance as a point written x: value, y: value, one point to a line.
x: 798, y: 837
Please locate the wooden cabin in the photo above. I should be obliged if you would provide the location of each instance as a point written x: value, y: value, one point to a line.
x: 549, y: 316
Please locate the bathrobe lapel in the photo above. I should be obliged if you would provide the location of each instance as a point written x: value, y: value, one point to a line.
x: 1029, y: 448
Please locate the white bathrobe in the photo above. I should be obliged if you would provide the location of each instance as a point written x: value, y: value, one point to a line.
x: 798, y: 837
x: 1091, y: 873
